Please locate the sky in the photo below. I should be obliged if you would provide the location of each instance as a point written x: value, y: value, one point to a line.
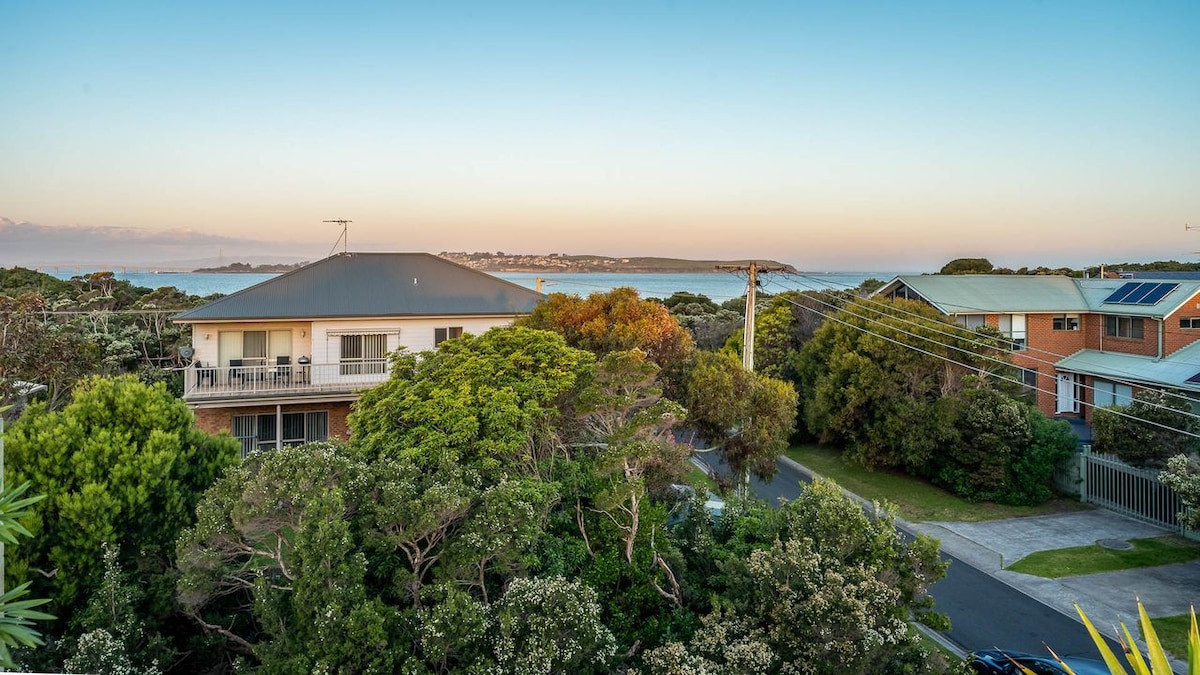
x: 828, y: 135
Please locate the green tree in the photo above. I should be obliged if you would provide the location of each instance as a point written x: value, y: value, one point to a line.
x: 1144, y: 433
x: 492, y: 401
x: 872, y: 379
x: 1183, y: 476
x: 967, y: 266
x: 747, y: 414
x: 814, y: 586
x: 124, y: 464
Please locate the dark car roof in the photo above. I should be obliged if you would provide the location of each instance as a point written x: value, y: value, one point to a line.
x: 369, y: 285
x: 1081, y: 665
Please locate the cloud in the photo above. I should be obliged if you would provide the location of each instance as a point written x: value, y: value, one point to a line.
x: 105, y: 247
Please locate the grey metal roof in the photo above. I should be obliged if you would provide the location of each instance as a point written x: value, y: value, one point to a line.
x: 1019, y: 294
x: 1172, y: 371
x: 369, y: 285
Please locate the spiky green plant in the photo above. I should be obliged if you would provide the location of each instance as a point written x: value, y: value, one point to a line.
x: 17, y: 615
x: 1154, y: 662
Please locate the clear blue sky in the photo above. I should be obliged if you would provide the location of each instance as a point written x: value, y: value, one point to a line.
x: 832, y: 135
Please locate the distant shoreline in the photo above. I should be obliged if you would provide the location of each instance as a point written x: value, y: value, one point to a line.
x: 549, y: 264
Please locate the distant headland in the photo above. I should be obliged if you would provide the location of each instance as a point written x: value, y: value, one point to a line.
x: 561, y: 262
x: 552, y: 262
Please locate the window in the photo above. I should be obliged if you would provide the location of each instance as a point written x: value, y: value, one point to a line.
x: 1012, y: 326
x: 440, y: 335
x: 364, y: 354
x: 253, y: 347
x: 1108, y: 394
x: 1030, y: 381
x: 972, y: 320
x: 1189, y: 322
x: 1066, y: 322
x: 259, y: 432
x: 1123, y: 327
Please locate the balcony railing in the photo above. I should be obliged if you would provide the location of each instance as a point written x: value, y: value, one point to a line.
x: 214, y: 382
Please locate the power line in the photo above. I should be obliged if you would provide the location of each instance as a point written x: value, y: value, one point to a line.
x: 891, y: 309
x: 976, y: 369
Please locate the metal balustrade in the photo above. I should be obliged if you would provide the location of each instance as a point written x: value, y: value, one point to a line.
x: 213, y: 382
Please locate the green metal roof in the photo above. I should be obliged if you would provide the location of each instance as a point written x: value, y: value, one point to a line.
x: 350, y: 285
x: 1172, y: 371
x: 993, y: 293
x: 1020, y: 294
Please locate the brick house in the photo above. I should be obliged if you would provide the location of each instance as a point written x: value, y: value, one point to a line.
x: 1080, y: 343
x: 281, y: 362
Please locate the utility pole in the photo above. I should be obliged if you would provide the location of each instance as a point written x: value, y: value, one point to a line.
x: 345, y: 237
x: 751, y: 287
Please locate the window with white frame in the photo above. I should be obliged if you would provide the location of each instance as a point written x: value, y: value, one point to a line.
x: 1107, y: 394
x: 363, y: 354
x: 1066, y: 322
x: 1123, y: 327
x: 1189, y: 322
x: 266, y: 431
x: 440, y: 335
x: 1012, y: 326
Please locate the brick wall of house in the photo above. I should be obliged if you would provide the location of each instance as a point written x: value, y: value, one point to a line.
x: 220, y: 420
x: 1176, y: 338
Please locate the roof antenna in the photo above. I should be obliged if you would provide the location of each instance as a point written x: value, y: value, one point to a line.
x: 343, y: 237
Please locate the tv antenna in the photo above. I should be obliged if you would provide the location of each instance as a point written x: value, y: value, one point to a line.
x: 344, y: 238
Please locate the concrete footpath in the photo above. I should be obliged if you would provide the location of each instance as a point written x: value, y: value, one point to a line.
x: 1109, y: 598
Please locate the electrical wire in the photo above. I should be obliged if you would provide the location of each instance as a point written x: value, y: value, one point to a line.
x: 892, y: 310
x: 984, y: 372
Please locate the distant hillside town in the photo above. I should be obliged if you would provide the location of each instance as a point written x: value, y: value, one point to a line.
x: 561, y: 262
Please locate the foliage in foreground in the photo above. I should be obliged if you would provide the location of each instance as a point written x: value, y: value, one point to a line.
x: 1154, y: 662
x: 17, y: 613
x: 124, y: 466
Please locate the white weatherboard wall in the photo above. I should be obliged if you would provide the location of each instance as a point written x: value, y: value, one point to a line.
x: 415, y: 334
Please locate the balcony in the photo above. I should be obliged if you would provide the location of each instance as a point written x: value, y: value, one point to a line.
x: 205, y: 383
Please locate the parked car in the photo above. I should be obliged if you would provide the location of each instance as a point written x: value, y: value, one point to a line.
x: 1000, y: 662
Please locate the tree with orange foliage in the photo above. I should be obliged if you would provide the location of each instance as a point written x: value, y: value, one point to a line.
x: 615, y: 321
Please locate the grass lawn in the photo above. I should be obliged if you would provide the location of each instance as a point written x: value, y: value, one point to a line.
x: 1172, y: 632
x: 1065, y: 562
x: 915, y: 500
x: 700, y: 480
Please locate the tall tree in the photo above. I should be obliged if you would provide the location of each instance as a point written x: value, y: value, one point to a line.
x: 748, y: 415
x: 614, y: 321
x: 124, y: 464
x: 492, y: 401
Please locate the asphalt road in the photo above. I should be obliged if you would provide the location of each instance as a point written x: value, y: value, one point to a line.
x: 984, y: 612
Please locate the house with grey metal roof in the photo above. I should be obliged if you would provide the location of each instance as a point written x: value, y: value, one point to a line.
x: 1079, y: 343
x: 280, y: 362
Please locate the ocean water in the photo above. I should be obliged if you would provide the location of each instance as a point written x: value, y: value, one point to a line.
x: 717, y: 286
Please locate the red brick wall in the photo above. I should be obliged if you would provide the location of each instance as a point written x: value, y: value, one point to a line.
x: 220, y: 420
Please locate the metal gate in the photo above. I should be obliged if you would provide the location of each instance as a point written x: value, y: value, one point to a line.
x: 1134, y: 492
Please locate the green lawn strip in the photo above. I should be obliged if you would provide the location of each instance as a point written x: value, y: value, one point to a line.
x: 1066, y: 562
x: 1172, y: 632
x: 916, y: 500
x: 700, y: 480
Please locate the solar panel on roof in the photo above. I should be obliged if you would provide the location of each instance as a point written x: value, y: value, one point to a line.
x: 1158, y: 293
x: 1135, y: 296
x: 1140, y: 293
x: 1118, y: 295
